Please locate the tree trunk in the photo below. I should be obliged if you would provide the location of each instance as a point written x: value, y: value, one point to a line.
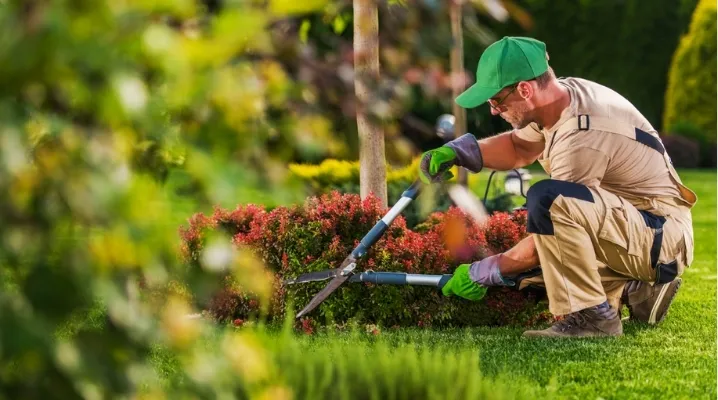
x: 457, y: 75
x: 372, y: 160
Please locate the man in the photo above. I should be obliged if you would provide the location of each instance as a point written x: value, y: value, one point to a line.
x: 613, y: 221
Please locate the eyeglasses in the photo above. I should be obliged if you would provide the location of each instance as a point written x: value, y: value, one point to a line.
x: 493, y: 104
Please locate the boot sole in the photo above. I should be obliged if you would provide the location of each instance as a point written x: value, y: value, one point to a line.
x: 664, y: 302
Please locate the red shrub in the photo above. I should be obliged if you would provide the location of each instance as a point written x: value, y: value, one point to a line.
x: 308, y: 325
x: 192, y: 236
x: 342, y: 213
x: 504, y: 306
x: 520, y: 218
x: 239, y: 221
x: 502, y: 232
x: 321, y: 233
x: 225, y: 304
x: 233, y: 302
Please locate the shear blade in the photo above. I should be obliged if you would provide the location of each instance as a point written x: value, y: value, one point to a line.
x: 338, y: 280
x: 313, y: 277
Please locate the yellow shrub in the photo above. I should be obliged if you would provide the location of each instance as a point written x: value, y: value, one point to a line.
x: 691, y: 94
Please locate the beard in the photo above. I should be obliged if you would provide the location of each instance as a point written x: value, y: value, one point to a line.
x: 519, y: 117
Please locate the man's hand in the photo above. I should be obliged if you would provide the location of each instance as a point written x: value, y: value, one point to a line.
x: 487, y: 273
x: 461, y: 285
x: 434, y: 163
x: 470, y: 281
x: 463, y: 152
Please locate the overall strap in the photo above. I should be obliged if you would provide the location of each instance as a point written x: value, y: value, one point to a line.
x: 584, y: 122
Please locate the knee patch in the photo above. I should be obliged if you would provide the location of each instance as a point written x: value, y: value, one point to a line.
x: 541, y: 196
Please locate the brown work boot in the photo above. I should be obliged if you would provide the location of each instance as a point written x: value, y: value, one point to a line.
x: 649, y: 304
x: 590, y: 322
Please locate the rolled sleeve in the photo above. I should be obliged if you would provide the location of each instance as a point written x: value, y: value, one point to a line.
x: 530, y: 133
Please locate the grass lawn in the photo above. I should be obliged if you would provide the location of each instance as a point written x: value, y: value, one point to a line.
x: 676, y: 359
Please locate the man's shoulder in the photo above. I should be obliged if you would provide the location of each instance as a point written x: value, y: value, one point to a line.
x: 576, y: 80
x: 596, y: 99
x: 590, y: 88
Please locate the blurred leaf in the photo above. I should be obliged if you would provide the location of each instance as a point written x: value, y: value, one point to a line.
x: 293, y: 7
x: 519, y: 14
x: 339, y: 24
x: 304, y: 30
x: 179, y: 8
x: 494, y: 8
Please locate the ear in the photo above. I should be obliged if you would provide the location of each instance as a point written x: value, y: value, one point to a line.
x: 525, y: 90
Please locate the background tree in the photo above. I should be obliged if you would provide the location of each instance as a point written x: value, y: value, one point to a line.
x: 366, y: 69
x: 458, y: 84
x: 691, y: 94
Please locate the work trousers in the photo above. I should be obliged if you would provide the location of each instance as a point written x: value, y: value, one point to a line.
x: 590, y: 242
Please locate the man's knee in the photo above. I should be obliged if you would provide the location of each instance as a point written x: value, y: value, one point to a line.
x: 541, y: 197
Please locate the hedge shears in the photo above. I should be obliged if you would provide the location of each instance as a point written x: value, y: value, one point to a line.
x: 459, y: 194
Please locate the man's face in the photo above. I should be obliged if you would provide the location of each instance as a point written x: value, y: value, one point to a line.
x: 513, y: 108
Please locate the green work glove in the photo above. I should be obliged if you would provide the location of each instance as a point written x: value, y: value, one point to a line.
x: 461, y: 285
x: 463, y: 151
x: 434, y: 163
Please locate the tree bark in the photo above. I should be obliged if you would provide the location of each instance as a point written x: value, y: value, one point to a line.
x: 457, y: 75
x: 372, y: 159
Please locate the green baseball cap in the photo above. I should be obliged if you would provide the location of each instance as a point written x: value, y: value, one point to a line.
x: 503, y: 63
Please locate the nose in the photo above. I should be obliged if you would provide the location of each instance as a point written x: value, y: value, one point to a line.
x: 494, y: 111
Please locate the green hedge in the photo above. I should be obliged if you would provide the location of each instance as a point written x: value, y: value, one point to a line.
x: 691, y: 94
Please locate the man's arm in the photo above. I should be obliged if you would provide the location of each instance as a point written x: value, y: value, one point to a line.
x: 508, y: 151
x: 520, y: 258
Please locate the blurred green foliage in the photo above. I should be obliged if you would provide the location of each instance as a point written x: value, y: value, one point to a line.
x: 119, y: 120
x: 108, y: 108
x: 691, y: 96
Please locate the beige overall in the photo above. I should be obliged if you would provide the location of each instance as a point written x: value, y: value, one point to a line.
x: 614, y: 209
